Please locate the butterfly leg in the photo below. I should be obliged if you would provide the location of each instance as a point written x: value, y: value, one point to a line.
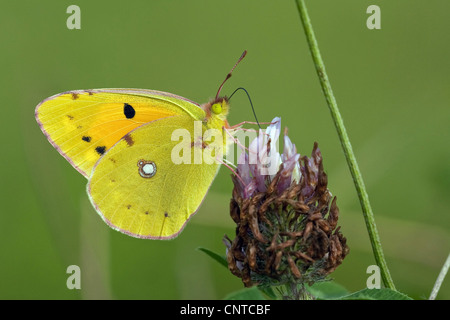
x: 248, y: 122
x: 224, y: 162
x: 234, y: 139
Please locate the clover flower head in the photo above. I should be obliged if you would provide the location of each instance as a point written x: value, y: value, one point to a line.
x: 286, y: 218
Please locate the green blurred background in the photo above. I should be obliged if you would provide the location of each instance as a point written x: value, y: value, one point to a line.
x: 392, y: 86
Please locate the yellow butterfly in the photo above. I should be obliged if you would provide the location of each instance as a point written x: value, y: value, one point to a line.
x: 122, y: 141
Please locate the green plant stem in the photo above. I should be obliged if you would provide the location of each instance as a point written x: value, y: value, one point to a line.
x: 440, y: 278
x: 295, y: 291
x: 346, y: 146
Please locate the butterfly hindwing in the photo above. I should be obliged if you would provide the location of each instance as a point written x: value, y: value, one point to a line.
x: 139, y: 190
x: 82, y: 125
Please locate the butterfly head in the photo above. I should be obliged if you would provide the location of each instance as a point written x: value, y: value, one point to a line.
x: 216, y: 112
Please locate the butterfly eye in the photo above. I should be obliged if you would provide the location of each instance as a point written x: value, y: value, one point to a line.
x: 217, y: 108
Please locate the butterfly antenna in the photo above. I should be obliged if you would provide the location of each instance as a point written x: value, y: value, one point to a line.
x: 249, y: 99
x: 229, y: 73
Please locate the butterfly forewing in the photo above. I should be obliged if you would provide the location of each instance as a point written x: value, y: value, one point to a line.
x: 82, y: 125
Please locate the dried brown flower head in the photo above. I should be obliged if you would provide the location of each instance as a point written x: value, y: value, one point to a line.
x: 286, y: 222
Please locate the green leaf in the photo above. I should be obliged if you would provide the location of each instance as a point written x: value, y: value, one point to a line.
x: 376, y: 294
x: 326, y: 290
x: 252, y: 293
x: 221, y: 259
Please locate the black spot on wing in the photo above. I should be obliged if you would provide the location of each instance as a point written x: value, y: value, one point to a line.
x: 128, y: 111
x: 86, y: 138
x: 100, y: 150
